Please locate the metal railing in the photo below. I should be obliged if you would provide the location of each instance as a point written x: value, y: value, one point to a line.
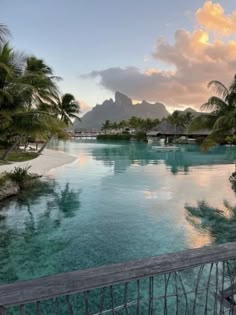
x: 198, y: 281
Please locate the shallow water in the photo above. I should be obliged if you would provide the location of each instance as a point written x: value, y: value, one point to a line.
x: 116, y: 202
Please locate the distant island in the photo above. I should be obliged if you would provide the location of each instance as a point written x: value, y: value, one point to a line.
x: 120, y: 109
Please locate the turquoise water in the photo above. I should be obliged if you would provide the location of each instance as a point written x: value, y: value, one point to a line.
x: 116, y: 202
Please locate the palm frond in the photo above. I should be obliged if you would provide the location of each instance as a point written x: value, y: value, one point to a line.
x: 5, y: 95
x: 204, y: 121
x: 214, y: 103
x: 225, y: 123
x: 232, y: 87
x: 4, y: 32
x: 219, y: 87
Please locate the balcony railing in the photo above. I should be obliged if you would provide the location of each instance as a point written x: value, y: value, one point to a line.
x: 198, y: 281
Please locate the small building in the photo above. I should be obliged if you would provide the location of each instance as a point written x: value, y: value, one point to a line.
x: 167, y: 130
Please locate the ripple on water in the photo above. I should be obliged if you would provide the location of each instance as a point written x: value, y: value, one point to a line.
x: 117, y: 202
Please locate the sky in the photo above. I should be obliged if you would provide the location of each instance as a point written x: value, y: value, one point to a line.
x: 155, y: 50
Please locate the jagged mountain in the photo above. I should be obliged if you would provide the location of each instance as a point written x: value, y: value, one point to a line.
x: 120, y: 109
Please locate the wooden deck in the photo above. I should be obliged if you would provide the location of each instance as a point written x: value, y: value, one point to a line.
x: 84, y: 281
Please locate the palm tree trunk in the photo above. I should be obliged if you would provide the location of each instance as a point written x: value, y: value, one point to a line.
x: 44, y: 145
x: 26, y: 145
x: 9, y: 150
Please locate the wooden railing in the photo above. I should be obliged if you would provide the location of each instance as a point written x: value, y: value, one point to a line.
x: 198, y: 281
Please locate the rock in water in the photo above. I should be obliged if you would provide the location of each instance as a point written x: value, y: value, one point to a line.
x: 8, y: 189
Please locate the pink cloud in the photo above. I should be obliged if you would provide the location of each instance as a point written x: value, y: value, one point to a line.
x: 212, y: 16
x: 192, y: 61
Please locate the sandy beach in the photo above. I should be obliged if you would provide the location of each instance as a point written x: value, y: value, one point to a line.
x: 48, y: 160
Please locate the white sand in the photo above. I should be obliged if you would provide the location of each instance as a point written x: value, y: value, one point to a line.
x: 48, y: 160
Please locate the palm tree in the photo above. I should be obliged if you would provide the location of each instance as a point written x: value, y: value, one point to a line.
x: 11, y: 66
x: 107, y: 125
x: 25, y: 84
x: 29, y: 102
x: 135, y: 122
x: 4, y: 32
x: 68, y: 108
x: 148, y: 124
x: 222, y: 117
x: 177, y: 120
x: 188, y: 117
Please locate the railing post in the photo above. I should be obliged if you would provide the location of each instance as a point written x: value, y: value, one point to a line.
x: 2, y: 310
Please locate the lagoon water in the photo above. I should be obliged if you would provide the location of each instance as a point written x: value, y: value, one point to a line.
x: 116, y: 202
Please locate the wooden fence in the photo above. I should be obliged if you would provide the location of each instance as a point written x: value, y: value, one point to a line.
x: 198, y: 281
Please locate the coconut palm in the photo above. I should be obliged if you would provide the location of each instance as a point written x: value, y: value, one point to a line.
x: 29, y: 102
x: 26, y: 84
x: 11, y: 66
x: 4, y: 32
x: 68, y: 108
x: 107, y: 125
x: 222, y: 117
x: 177, y: 120
x: 135, y: 122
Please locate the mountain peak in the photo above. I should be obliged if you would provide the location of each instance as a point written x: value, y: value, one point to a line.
x: 122, y: 99
x: 120, y: 109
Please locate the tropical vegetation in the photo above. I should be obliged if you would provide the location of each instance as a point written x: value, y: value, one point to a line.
x: 138, y: 127
x: 179, y: 120
x: 135, y: 123
x: 221, y: 115
x: 32, y: 109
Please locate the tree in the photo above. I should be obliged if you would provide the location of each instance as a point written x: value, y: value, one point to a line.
x: 148, y: 124
x: 107, y: 125
x: 188, y: 117
x: 221, y: 119
x: 4, y: 32
x: 177, y: 120
x: 25, y: 84
x: 135, y: 122
x: 68, y: 108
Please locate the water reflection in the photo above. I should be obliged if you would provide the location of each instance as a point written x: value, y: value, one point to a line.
x: 126, y: 212
x: 219, y: 224
x: 28, y: 230
x: 124, y: 156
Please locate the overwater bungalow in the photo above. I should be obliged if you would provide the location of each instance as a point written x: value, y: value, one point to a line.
x: 167, y: 130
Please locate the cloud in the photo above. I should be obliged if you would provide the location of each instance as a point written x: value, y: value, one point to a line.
x: 84, y: 107
x: 192, y: 60
x: 213, y: 18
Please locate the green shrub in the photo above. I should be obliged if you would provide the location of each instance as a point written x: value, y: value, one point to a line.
x: 140, y: 136
x: 21, y: 176
x: 231, y: 139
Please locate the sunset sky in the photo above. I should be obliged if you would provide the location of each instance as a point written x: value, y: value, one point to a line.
x: 154, y: 50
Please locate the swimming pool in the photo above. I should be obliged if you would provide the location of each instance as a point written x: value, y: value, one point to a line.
x: 116, y: 202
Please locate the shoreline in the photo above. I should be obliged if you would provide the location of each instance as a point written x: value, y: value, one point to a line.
x: 41, y: 165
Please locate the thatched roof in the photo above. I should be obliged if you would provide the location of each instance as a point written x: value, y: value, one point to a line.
x: 167, y: 129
